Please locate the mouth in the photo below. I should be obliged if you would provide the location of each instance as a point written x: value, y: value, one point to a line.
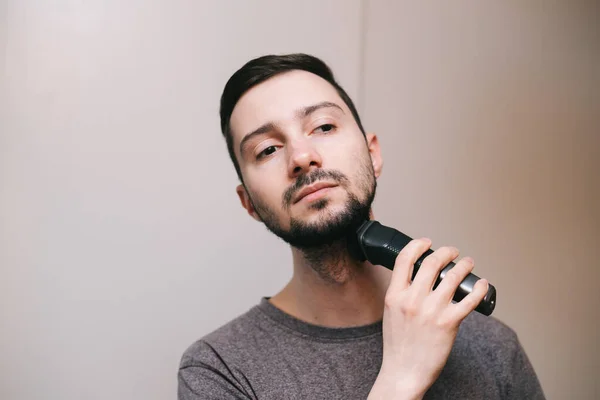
x: 314, y: 191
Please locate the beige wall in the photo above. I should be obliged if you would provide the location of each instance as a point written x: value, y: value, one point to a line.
x: 488, y: 114
x: 121, y: 237
x: 121, y: 240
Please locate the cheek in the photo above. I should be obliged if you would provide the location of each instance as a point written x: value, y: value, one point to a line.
x: 347, y: 157
x: 336, y: 155
x: 266, y: 193
x: 356, y: 165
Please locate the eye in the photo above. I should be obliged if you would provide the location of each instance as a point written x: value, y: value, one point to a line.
x: 325, y: 128
x: 268, y: 151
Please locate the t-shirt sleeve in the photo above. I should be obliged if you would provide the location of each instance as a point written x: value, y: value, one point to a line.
x: 195, y: 383
x: 523, y: 382
x: 203, y: 374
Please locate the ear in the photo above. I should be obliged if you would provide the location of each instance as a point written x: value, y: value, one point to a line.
x: 246, y: 202
x: 375, y: 153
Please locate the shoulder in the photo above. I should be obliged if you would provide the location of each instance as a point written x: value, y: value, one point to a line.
x: 228, y: 341
x: 496, y: 343
x: 497, y: 349
x: 486, y: 329
x: 209, y: 366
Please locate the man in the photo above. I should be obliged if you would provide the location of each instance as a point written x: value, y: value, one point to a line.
x: 340, y: 329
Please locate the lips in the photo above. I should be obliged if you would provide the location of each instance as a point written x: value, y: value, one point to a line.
x: 313, y: 188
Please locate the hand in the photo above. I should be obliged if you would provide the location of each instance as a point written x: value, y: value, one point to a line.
x: 421, y: 324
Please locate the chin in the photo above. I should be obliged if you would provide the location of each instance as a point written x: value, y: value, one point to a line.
x: 322, y: 209
x: 320, y: 222
x: 332, y: 202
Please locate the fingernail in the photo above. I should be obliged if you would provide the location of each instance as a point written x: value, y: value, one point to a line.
x: 426, y: 239
x: 469, y: 259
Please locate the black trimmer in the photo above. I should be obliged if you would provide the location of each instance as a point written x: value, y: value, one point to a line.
x: 380, y: 245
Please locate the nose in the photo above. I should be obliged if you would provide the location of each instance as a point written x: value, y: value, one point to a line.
x: 303, y: 157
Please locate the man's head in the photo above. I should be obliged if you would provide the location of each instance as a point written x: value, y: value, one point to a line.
x: 290, y: 130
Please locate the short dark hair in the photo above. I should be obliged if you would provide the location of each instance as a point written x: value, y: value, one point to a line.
x: 259, y: 70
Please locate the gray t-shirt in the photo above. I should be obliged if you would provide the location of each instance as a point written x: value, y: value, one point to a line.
x: 268, y: 354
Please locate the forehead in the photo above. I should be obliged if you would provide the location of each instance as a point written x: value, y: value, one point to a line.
x: 277, y: 99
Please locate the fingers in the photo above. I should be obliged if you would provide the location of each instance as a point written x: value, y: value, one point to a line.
x: 431, y: 268
x: 453, y: 278
x: 403, y: 267
x: 421, y: 287
x: 461, y: 309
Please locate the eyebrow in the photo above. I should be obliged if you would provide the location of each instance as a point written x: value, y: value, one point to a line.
x: 271, y: 126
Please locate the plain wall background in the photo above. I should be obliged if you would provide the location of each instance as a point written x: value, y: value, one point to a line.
x: 121, y: 237
x: 122, y: 240
x: 489, y: 117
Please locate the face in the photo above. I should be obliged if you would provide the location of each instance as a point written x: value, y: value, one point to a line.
x: 309, y: 174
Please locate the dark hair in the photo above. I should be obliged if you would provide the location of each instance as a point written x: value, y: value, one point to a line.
x: 259, y: 70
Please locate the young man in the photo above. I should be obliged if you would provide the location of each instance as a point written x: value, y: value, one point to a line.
x: 340, y: 329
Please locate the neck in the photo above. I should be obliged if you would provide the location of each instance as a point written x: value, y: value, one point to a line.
x: 329, y: 288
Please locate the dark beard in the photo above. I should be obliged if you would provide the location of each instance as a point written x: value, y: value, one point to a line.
x: 323, y: 243
x: 330, y: 227
x: 324, y: 233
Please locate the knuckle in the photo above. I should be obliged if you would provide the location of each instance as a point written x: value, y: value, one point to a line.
x: 391, y: 301
x: 470, y: 303
x: 450, y: 250
x: 446, y: 322
x: 402, y: 259
x: 412, y: 247
x: 441, y: 256
x: 468, y: 260
x: 424, y: 242
x: 453, y: 277
x: 410, y: 308
x: 467, y: 264
x: 413, y: 244
x: 432, y: 259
